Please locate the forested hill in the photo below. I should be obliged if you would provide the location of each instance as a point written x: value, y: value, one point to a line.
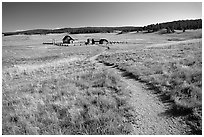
x: 170, y: 26
x: 175, y: 25
x: 75, y: 30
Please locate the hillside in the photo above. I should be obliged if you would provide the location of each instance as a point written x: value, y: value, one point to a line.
x: 74, y: 30
x: 170, y: 26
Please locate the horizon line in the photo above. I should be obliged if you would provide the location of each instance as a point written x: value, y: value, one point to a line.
x: 94, y: 26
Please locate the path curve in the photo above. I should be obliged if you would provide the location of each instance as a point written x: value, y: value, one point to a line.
x: 148, y: 108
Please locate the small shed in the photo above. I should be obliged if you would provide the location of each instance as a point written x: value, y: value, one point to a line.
x: 96, y: 41
x: 103, y: 41
x: 89, y: 41
x: 68, y: 39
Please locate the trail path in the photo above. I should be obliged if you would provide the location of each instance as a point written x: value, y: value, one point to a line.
x: 150, y: 111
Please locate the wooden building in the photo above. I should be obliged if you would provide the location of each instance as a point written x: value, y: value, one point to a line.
x: 68, y: 39
x: 96, y: 41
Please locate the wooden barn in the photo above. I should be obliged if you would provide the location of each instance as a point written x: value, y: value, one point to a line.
x: 68, y: 39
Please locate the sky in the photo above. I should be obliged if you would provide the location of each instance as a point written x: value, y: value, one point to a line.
x: 50, y: 15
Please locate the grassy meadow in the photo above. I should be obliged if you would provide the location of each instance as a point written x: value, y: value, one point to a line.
x: 173, y: 70
x: 57, y: 90
x: 73, y: 98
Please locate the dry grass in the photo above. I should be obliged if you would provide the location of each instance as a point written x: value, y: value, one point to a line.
x: 70, y: 97
x: 53, y: 90
x: 174, y: 70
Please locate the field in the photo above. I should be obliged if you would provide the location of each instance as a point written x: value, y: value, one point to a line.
x: 58, y: 90
x: 174, y: 70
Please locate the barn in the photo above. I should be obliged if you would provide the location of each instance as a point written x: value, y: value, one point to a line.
x: 68, y: 39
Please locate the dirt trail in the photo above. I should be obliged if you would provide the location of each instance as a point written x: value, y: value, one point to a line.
x: 150, y: 111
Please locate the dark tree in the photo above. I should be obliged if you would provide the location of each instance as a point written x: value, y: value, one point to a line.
x: 168, y: 30
x: 172, y: 29
x: 184, y: 29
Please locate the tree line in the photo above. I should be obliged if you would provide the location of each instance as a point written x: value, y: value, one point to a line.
x: 74, y: 30
x: 175, y: 25
x: 169, y: 26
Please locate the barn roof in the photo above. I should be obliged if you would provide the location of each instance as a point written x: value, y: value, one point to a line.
x: 104, y: 39
x: 67, y: 36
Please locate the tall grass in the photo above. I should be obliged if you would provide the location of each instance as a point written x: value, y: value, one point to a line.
x: 174, y: 71
x: 86, y: 102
